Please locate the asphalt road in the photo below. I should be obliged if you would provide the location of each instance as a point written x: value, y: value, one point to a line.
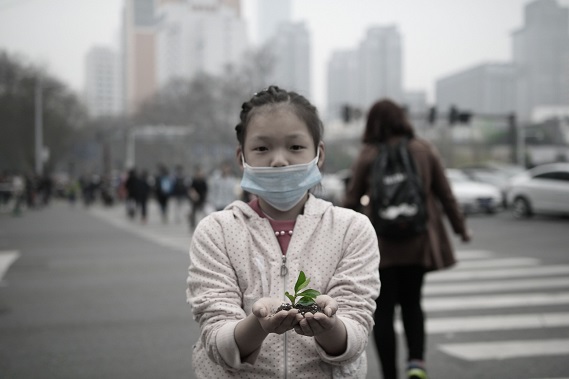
x: 90, y: 294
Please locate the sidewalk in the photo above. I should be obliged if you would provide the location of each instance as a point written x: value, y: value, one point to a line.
x: 173, y: 234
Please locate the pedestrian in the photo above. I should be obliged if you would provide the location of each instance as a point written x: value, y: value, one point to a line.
x: 18, y: 192
x: 179, y: 192
x: 163, y: 189
x: 142, y: 192
x: 197, y: 193
x: 223, y: 186
x: 404, y: 262
x: 130, y: 186
x: 243, y: 258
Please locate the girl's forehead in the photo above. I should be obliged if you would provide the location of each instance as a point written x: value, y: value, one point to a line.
x: 276, y: 118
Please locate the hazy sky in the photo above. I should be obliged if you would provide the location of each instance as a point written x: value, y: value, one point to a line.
x: 439, y: 36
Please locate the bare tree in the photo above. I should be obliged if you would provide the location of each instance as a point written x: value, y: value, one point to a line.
x: 62, y: 114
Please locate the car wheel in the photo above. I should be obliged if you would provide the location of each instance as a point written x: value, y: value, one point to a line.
x: 521, y: 208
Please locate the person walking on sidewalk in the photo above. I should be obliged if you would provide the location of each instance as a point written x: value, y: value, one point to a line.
x: 243, y: 259
x: 130, y: 186
x: 179, y: 192
x: 163, y: 190
x: 223, y: 187
x: 404, y: 262
x: 142, y: 192
x: 197, y: 193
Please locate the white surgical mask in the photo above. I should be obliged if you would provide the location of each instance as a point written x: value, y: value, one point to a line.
x: 281, y: 187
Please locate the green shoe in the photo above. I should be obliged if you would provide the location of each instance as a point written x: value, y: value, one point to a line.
x: 416, y: 373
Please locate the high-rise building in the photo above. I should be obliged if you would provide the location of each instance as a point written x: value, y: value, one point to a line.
x: 103, y: 82
x: 488, y: 88
x: 270, y: 15
x: 380, y: 59
x: 139, y: 52
x: 541, y: 57
x: 342, y: 89
x: 198, y: 36
x: 290, y: 48
x: 372, y: 71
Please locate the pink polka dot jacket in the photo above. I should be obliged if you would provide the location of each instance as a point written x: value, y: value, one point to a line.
x: 235, y: 259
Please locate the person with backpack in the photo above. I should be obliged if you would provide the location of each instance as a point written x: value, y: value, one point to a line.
x: 398, y: 180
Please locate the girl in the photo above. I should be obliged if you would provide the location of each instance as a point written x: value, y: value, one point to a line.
x: 244, y: 258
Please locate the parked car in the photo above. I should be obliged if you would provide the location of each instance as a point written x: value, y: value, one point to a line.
x: 497, y: 174
x: 474, y: 197
x: 542, y: 190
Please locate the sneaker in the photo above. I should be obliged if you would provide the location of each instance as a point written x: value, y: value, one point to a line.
x: 416, y: 373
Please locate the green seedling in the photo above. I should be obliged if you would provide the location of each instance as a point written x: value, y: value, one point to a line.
x: 305, y: 296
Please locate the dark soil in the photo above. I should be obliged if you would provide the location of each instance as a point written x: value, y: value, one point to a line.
x: 313, y: 308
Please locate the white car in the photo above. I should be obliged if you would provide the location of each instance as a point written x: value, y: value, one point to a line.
x: 542, y: 190
x: 474, y: 197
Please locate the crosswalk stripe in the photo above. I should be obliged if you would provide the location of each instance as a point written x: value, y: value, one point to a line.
x: 496, y: 301
x: 473, y: 254
x: 495, y: 286
x: 495, y: 263
x: 7, y: 257
x: 497, y: 274
x: 497, y: 322
x: 506, y: 349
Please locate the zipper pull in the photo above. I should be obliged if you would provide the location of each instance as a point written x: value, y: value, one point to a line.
x: 284, y: 269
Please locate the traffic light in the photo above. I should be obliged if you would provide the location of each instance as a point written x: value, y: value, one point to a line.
x: 432, y: 117
x: 457, y: 116
x: 464, y: 117
x: 452, y: 115
x: 346, y: 113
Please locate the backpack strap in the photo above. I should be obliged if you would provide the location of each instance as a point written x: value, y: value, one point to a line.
x: 410, y: 167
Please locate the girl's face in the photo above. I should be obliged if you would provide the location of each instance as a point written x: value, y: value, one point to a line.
x: 276, y: 137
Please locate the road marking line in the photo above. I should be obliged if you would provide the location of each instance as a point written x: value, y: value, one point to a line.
x: 443, y: 276
x: 495, y: 286
x: 473, y: 254
x: 7, y: 257
x: 496, y: 262
x: 495, y: 322
x: 176, y: 243
x: 497, y: 301
x: 506, y: 349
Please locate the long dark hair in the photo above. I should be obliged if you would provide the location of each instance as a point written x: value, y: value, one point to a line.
x: 386, y: 119
x: 275, y: 95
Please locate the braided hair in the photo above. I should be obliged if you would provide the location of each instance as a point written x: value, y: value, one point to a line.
x: 274, y: 96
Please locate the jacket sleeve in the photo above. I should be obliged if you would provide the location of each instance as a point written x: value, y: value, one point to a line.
x: 213, y: 294
x: 443, y: 191
x: 355, y: 286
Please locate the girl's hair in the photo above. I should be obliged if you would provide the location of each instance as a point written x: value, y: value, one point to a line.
x: 276, y: 96
x: 386, y: 119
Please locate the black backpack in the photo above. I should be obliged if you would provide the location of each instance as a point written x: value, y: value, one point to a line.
x: 397, y: 196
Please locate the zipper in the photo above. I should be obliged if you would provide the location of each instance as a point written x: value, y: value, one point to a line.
x: 284, y: 269
x: 284, y: 272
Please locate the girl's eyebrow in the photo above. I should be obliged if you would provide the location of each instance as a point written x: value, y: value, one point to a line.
x: 263, y: 137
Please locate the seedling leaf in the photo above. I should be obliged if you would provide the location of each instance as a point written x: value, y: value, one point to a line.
x: 290, y: 297
x: 300, y: 281
x: 309, y: 293
x: 305, y: 301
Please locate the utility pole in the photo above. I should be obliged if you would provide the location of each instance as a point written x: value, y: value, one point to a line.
x: 39, y: 154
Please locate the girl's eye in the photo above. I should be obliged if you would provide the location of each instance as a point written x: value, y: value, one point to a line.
x: 260, y: 148
x: 296, y: 147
